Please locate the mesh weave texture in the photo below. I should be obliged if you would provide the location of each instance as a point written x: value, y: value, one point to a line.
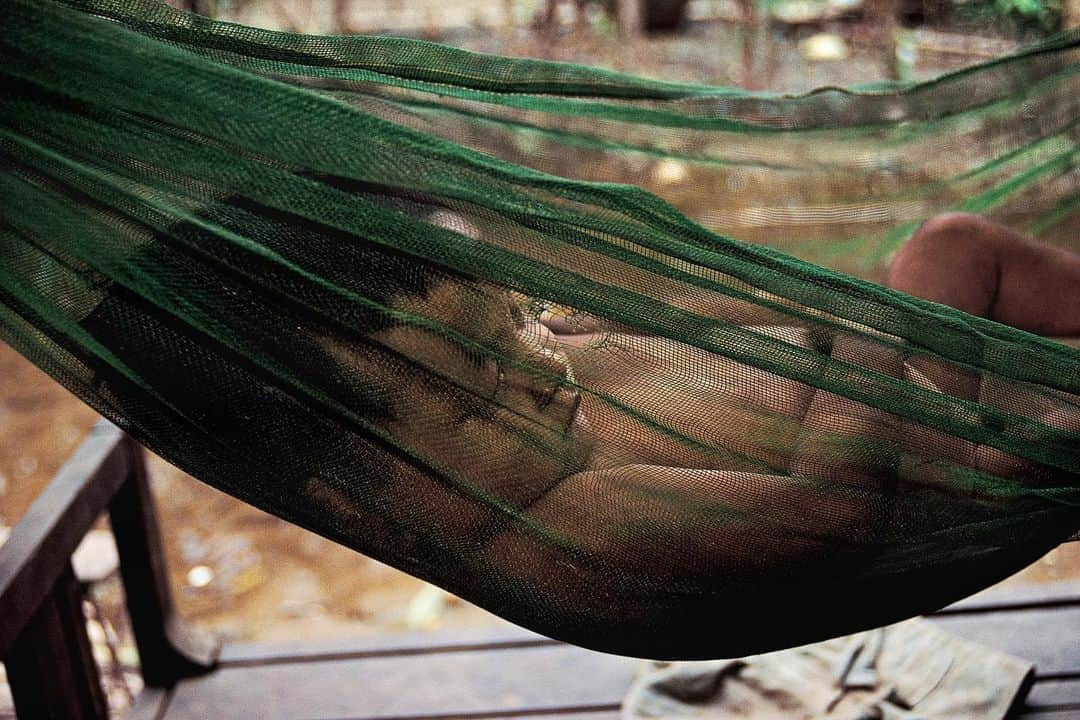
x: 321, y: 274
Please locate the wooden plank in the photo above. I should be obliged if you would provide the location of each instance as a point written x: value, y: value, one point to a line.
x: 503, y: 635
x: 1032, y: 632
x: 966, y: 44
x: 1016, y: 596
x: 535, y: 680
x: 448, y: 673
x: 40, y: 546
x: 613, y: 714
x: 995, y: 599
x: 149, y: 704
x: 1045, y: 636
x: 1054, y: 693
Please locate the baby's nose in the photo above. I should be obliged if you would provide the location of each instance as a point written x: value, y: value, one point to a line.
x: 545, y: 383
x: 554, y: 392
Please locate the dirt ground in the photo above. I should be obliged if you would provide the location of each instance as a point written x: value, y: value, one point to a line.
x: 254, y: 577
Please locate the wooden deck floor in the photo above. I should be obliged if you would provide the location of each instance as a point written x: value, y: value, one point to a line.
x: 510, y: 673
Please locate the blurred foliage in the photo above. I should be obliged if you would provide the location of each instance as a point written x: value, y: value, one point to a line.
x: 1017, y: 15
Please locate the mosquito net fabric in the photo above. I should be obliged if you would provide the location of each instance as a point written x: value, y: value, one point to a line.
x: 322, y: 274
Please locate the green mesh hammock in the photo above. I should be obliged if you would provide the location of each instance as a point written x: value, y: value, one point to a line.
x: 312, y: 272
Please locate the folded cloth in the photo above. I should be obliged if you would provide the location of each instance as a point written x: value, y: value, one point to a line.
x: 908, y: 671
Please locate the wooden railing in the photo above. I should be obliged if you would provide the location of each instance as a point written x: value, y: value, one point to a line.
x: 43, y: 637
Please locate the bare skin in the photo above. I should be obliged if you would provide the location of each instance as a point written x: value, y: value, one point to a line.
x: 961, y: 260
x: 577, y: 465
x: 989, y: 270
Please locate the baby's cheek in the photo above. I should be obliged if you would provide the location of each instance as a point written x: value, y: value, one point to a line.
x: 513, y: 460
x: 490, y: 317
x: 442, y: 360
x: 488, y: 465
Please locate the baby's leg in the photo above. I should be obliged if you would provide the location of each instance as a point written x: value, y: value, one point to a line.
x: 842, y: 439
x: 986, y: 269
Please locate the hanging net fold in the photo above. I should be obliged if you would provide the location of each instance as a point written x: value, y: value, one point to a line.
x: 322, y: 274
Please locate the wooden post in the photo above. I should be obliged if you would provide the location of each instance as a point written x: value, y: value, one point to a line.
x: 757, y: 45
x: 630, y: 18
x: 884, y: 22
x: 201, y: 7
x: 204, y: 7
x: 168, y: 650
x: 1072, y: 14
x: 342, y: 17
x: 50, y: 667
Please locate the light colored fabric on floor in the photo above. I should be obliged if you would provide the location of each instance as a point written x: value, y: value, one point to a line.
x: 908, y: 671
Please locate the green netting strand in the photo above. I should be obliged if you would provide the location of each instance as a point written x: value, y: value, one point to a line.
x: 319, y: 274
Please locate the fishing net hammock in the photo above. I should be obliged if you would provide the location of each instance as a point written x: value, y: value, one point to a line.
x: 320, y: 274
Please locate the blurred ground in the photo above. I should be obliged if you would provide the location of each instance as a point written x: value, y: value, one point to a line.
x: 252, y: 576
x: 714, y: 47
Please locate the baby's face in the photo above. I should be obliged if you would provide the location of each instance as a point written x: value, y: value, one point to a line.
x: 480, y: 391
x: 522, y: 381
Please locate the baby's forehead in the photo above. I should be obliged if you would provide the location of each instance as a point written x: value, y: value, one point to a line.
x: 451, y: 220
